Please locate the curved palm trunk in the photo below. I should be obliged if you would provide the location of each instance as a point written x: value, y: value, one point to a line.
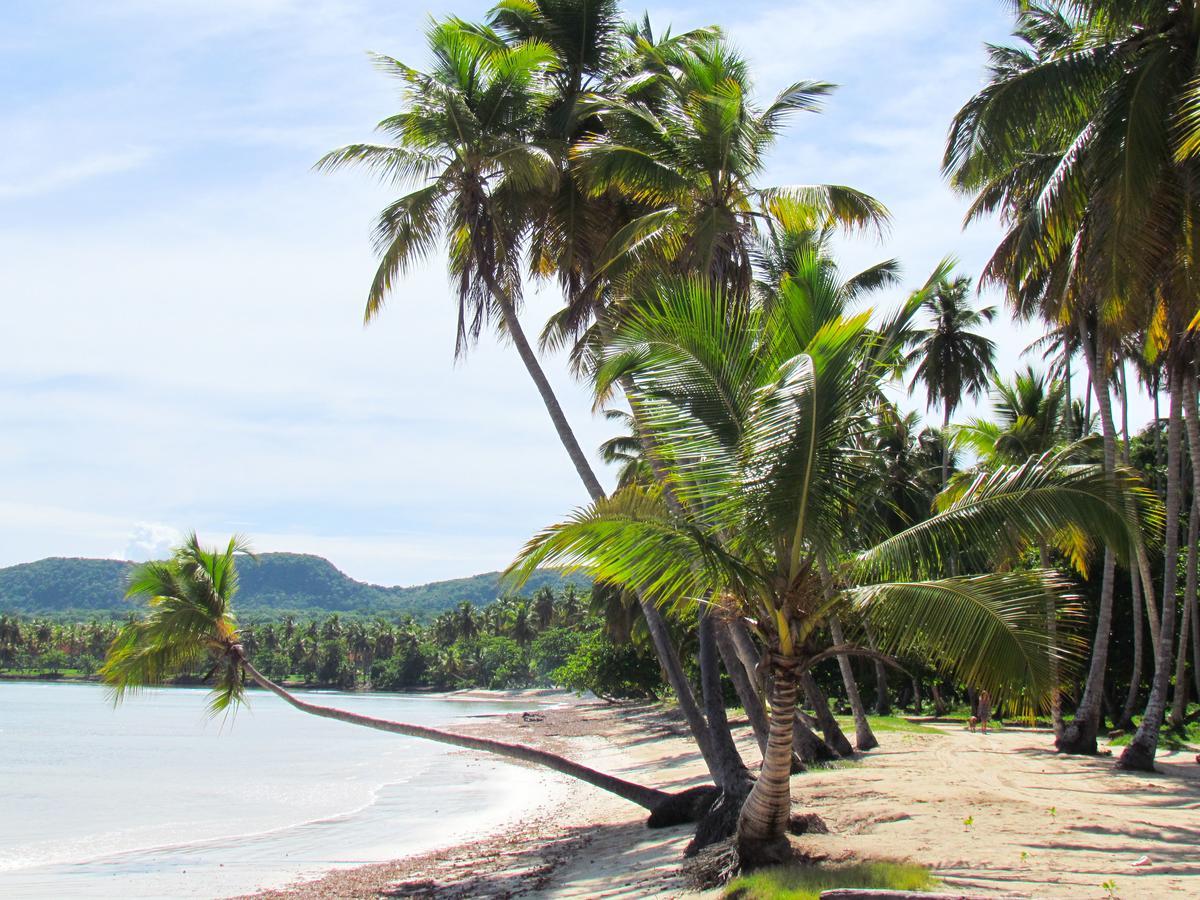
x: 665, y: 649
x: 1080, y: 735
x: 763, y: 821
x: 864, y: 738
x: 516, y: 333
x: 1135, y: 679
x: 732, y: 775
x: 745, y: 688
x: 833, y: 733
x: 1139, y: 755
x: 648, y: 798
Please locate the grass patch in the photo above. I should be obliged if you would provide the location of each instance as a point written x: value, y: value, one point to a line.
x: 1169, y: 737
x: 807, y: 882
x: 884, y: 724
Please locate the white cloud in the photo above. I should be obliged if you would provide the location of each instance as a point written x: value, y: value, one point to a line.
x: 71, y: 173
x: 151, y: 540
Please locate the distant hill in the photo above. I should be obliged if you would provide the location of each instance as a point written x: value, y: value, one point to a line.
x: 275, y: 584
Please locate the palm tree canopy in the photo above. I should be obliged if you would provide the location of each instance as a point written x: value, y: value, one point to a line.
x: 190, y: 622
x: 1028, y: 418
x: 760, y: 417
x: 462, y: 138
x: 950, y: 358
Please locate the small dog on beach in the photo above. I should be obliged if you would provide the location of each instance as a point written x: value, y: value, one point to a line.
x: 972, y: 722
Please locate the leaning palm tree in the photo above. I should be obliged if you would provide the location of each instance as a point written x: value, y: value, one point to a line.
x: 950, y: 358
x: 190, y: 625
x: 759, y: 418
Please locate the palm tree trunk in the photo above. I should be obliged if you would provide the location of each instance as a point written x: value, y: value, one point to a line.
x: 1080, y: 735
x: 945, y: 445
x: 883, y: 703
x: 647, y: 798
x: 864, y: 738
x: 745, y: 688
x: 732, y: 775
x: 512, y: 325
x: 1179, y: 704
x: 1135, y: 679
x: 1139, y: 754
x: 667, y: 655
x: 1056, y: 716
x: 1191, y: 420
x: 833, y: 733
x: 1143, y: 558
x: 763, y: 822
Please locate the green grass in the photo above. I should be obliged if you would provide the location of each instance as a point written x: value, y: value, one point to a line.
x: 1168, y: 737
x: 807, y: 882
x: 884, y: 724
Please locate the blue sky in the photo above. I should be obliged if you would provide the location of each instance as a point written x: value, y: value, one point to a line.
x: 181, y: 294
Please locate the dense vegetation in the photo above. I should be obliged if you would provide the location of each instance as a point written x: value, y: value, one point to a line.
x: 547, y: 640
x: 273, y: 585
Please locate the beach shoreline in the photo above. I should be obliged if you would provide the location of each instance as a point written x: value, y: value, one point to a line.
x: 997, y: 814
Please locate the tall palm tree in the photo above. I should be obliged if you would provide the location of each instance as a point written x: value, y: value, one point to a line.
x: 759, y: 419
x: 949, y: 357
x: 190, y: 624
x: 477, y: 134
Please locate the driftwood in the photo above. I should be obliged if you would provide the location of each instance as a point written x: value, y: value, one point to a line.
x: 884, y: 894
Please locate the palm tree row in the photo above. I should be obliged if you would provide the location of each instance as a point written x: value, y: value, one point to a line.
x: 1084, y: 141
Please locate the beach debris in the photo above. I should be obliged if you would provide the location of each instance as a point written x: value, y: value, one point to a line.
x: 533, y: 717
x: 1142, y: 862
x: 807, y: 823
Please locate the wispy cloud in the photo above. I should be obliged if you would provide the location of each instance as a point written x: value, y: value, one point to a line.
x: 71, y: 174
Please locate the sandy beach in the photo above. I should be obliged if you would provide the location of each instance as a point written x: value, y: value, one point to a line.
x: 996, y: 814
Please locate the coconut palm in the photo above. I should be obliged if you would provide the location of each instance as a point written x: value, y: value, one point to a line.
x: 949, y: 357
x: 190, y: 625
x: 476, y: 133
x: 760, y: 417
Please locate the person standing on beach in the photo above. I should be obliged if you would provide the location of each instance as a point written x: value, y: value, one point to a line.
x: 985, y: 710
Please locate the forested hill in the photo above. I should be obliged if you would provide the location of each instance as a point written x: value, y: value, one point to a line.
x: 275, y: 584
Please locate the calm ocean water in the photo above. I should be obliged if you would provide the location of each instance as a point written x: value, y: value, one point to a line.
x: 153, y: 799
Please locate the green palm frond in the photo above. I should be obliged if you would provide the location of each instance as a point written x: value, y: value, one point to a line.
x: 988, y: 630
x: 1017, y: 506
x: 189, y: 622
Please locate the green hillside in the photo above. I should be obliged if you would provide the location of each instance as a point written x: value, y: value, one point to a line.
x: 275, y: 584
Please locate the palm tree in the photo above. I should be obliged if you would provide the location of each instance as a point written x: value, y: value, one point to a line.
x: 759, y: 418
x: 543, y: 608
x: 469, y: 134
x: 190, y: 623
x: 950, y: 358
x: 1027, y: 421
x: 1028, y: 418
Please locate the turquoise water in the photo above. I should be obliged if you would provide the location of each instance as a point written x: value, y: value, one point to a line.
x: 154, y: 799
